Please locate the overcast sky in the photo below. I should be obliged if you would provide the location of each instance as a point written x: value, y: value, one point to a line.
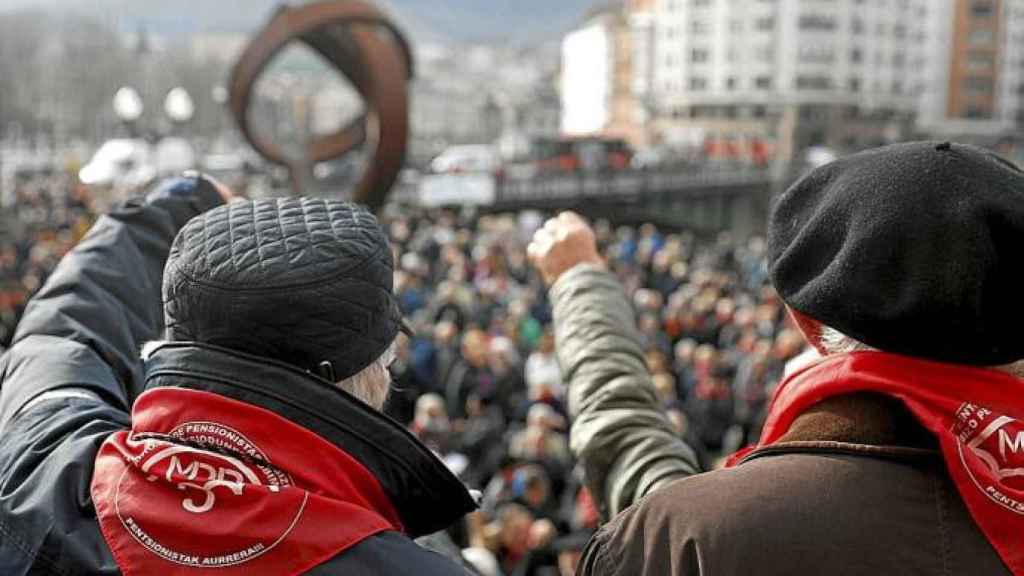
x: 458, y: 19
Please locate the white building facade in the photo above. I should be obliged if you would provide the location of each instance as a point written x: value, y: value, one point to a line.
x: 806, y: 70
x: 975, y: 74
x: 588, y: 77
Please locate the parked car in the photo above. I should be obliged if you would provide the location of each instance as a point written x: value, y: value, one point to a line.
x: 473, y: 158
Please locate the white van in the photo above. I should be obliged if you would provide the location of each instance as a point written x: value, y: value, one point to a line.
x: 476, y: 158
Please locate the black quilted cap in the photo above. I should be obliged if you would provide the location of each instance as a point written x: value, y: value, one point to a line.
x: 914, y: 248
x: 300, y: 280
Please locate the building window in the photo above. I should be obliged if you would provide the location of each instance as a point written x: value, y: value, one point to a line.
x: 856, y: 56
x: 765, y: 24
x: 854, y: 85
x: 817, y: 22
x: 976, y: 113
x: 763, y: 82
x: 699, y: 55
x: 898, y: 60
x: 857, y: 26
x: 982, y: 9
x: 699, y: 27
x: 977, y: 86
x: 982, y: 37
x: 730, y: 83
x: 766, y: 53
x: 816, y: 54
x: 979, y: 62
x: 813, y: 83
x: 698, y: 83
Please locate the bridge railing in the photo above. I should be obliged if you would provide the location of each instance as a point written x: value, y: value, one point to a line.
x: 620, y: 185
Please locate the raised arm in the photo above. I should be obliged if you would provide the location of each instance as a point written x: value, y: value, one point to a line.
x: 620, y: 434
x: 83, y: 331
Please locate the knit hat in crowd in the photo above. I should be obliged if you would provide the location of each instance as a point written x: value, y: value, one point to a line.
x: 915, y: 248
x: 302, y: 281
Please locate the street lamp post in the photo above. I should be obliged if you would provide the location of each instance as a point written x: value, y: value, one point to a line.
x: 128, y: 107
x: 178, y: 106
x: 175, y: 153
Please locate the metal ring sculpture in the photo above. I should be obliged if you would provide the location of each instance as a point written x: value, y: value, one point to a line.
x: 367, y: 48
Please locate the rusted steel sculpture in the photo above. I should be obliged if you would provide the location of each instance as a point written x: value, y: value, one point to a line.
x: 366, y: 47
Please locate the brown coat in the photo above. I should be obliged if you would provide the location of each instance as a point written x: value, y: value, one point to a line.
x: 855, y: 487
x: 801, y: 508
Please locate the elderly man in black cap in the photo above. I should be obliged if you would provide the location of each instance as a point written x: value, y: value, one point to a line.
x: 250, y: 440
x: 900, y: 450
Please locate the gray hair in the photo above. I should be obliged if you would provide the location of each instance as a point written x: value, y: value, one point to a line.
x: 373, y: 383
x: 835, y: 342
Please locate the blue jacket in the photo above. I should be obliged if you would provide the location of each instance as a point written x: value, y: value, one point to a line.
x: 73, y: 372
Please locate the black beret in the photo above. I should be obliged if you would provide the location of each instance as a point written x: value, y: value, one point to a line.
x: 303, y: 281
x: 913, y: 248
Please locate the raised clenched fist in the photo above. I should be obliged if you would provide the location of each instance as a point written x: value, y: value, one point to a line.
x: 563, y: 243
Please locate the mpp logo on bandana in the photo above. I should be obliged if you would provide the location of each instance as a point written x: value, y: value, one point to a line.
x: 996, y: 440
x: 215, y: 478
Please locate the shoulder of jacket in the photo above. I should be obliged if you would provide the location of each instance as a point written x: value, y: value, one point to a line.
x: 599, y: 557
x: 388, y: 553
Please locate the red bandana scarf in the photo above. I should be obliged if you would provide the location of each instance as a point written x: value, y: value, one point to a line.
x: 203, y: 484
x: 977, y: 415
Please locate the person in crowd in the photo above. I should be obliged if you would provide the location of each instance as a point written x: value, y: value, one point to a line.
x: 750, y: 388
x: 252, y: 437
x: 481, y: 439
x: 514, y: 523
x: 894, y: 452
x: 431, y: 424
x: 471, y: 374
x: 542, y: 370
x: 569, y: 549
x: 460, y: 273
x: 507, y: 368
x: 541, y: 441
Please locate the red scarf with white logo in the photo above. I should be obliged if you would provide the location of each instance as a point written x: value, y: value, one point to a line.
x: 203, y: 484
x: 976, y: 414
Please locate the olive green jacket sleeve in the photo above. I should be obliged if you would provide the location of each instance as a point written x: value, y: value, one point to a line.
x: 619, y: 432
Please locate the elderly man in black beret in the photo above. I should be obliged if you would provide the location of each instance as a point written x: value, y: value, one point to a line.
x: 250, y: 441
x: 900, y: 450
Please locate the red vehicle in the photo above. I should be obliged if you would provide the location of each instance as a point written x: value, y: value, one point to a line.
x: 588, y: 154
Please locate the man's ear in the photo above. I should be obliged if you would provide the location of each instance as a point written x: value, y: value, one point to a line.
x: 810, y: 328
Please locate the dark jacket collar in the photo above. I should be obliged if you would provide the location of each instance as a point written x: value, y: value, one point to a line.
x: 861, y: 418
x: 427, y: 496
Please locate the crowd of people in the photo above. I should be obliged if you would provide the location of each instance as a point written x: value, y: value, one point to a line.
x: 51, y: 212
x: 480, y: 383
